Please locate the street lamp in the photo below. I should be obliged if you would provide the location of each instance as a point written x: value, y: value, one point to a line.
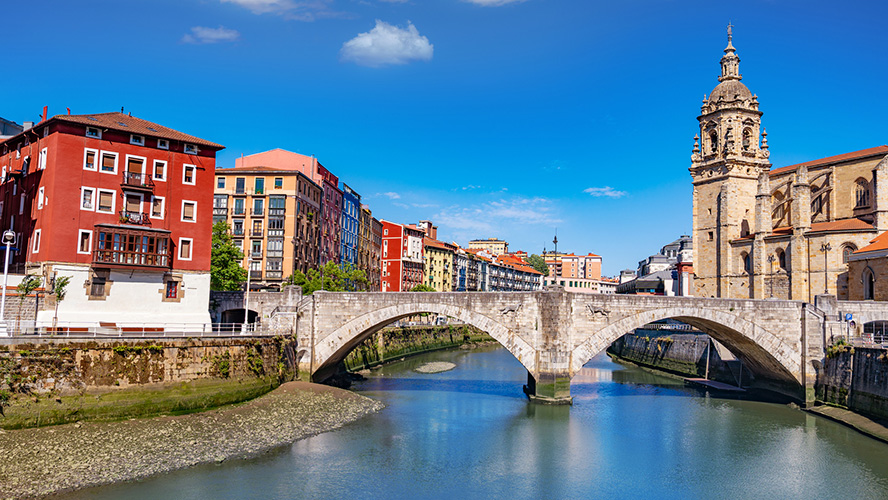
x: 825, y: 248
x: 8, y: 239
x: 771, y: 260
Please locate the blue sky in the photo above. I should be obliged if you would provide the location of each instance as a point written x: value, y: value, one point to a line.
x: 492, y: 118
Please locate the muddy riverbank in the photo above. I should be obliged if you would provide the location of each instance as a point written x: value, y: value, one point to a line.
x: 37, y: 462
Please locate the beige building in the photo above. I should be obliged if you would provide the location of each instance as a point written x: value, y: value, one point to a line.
x: 783, y: 233
x: 438, y: 261
x: 274, y: 217
x: 493, y: 246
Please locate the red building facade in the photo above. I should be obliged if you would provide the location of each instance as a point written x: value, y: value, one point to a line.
x: 121, y: 205
x: 402, y: 253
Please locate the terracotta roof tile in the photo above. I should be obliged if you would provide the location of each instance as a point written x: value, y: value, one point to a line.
x: 133, y: 125
x: 223, y: 170
x: 854, y: 155
x: 841, y: 225
x: 880, y: 242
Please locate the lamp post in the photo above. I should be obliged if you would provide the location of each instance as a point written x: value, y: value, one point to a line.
x: 247, y: 296
x: 771, y: 260
x: 8, y: 240
x: 825, y: 248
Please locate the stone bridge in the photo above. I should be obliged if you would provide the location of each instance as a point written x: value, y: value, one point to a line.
x: 554, y: 333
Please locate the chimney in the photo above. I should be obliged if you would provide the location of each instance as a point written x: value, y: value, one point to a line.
x: 45, y: 111
x: 27, y: 125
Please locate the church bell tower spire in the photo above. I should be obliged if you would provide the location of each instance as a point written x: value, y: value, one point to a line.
x: 730, y: 62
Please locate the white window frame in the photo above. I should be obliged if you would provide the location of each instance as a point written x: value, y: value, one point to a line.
x: 35, y: 247
x: 163, y: 144
x: 41, y: 159
x: 113, y: 200
x: 193, y: 175
x: 96, y: 162
x: 138, y: 140
x: 3, y: 175
x: 190, y: 248
x: 97, y: 132
x: 162, y: 207
x: 182, y: 213
x: 92, y: 199
x: 126, y: 196
x: 154, y: 170
x: 40, y: 193
x: 89, y: 246
x: 116, y: 161
x: 190, y: 149
x: 144, y: 163
x: 22, y: 204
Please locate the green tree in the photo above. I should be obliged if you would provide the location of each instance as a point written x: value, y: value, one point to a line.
x: 59, y: 289
x: 422, y: 288
x: 226, y: 272
x: 336, y: 278
x: 539, y: 264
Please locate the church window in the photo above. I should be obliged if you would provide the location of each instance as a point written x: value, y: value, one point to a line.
x: 747, y: 263
x: 747, y: 139
x: 744, y: 228
x: 861, y: 193
x: 781, y: 259
x: 713, y: 141
x: 869, y: 284
x: 847, y: 250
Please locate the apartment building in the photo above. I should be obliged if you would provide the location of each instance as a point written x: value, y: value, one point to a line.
x: 370, y: 249
x: 494, y: 246
x: 438, y: 264
x: 350, y: 224
x: 273, y: 216
x: 402, y: 252
x: 119, y: 204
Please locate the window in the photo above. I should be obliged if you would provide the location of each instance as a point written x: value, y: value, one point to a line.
x: 256, y: 249
x: 172, y: 289
x: 275, y: 227
x: 239, y: 206
x: 157, y: 207
x: 847, y: 250
x: 746, y: 139
x: 36, y: 246
x: 713, y: 141
x: 106, y: 201
x: 163, y: 144
x: 220, y: 182
x: 258, y: 206
x: 160, y: 170
x: 188, y: 174
x: 41, y: 160
x: 861, y: 193
x: 869, y: 284
x: 89, y: 159
x: 709, y: 236
x: 135, y: 169
x: 220, y: 201
x: 239, y: 183
x: 84, y: 241
x: 747, y: 263
x: 138, y: 140
x: 109, y: 162
x: 781, y: 259
x: 189, y: 211
x: 190, y: 149
x: 259, y: 184
x: 238, y: 227
x: 97, y: 287
x: 185, y: 248
x: 278, y: 182
x: 87, y: 198
x: 93, y: 132
x: 40, y: 198
x: 22, y: 204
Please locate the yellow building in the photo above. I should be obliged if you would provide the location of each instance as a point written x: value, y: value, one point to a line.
x: 494, y: 246
x: 438, y: 262
x: 273, y: 214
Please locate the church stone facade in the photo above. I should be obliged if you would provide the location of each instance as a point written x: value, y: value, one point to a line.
x: 785, y: 233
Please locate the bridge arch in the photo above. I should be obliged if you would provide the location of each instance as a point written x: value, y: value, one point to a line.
x: 761, y: 350
x: 336, y: 345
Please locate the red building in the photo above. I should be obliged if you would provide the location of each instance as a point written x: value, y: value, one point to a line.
x: 121, y: 205
x: 402, y: 265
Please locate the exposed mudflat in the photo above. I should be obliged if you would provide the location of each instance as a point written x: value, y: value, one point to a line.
x: 37, y: 462
x: 435, y: 367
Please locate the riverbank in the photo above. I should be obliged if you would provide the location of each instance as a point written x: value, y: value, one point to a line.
x: 42, y: 461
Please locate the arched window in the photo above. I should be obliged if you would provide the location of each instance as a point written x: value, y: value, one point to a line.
x: 781, y: 259
x: 869, y: 284
x: 744, y: 228
x: 747, y: 262
x: 861, y: 193
x: 713, y: 141
x: 847, y: 250
x: 747, y: 139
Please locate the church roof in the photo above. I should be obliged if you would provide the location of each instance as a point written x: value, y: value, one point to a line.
x: 854, y: 155
x: 880, y: 242
x: 730, y: 90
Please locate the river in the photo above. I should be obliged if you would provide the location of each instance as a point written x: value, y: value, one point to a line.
x: 470, y: 433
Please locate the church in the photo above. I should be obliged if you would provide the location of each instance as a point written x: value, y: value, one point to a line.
x: 785, y: 233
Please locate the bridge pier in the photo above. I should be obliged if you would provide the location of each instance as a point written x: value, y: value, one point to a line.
x: 551, y: 384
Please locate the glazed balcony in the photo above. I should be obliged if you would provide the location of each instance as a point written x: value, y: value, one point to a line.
x: 120, y: 247
x: 137, y: 182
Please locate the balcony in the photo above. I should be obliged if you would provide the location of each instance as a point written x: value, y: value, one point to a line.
x: 120, y: 247
x: 220, y: 211
x: 256, y: 255
x: 256, y: 233
x: 137, y: 182
x: 257, y: 212
x: 274, y: 275
x: 277, y: 212
x: 138, y: 218
x: 256, y: 275
x: 238, y: 231
x: 274, y: 253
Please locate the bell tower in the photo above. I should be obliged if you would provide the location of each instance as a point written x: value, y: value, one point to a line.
x: 728, y: 158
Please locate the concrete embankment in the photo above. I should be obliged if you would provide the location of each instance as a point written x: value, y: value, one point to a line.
x: 53, y: 382
x: 394, y: 343
x: 854, y: 378
x: 41, y: 461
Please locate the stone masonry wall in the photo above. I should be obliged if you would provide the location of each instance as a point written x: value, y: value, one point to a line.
x: 856, y: 378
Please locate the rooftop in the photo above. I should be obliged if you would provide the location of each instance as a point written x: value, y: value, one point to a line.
x: 854, y: 155
x: 131, y: 124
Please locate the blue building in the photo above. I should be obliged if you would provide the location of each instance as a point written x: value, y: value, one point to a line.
x: 350, y: 224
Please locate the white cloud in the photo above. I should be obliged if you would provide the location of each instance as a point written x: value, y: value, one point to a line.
x: 392, y: 195
x: 492, y: 3
x: 300, y: 10
x: 490, y: 218
x: 386, y: 44
x: 605, y: 191
x: 201, y: 34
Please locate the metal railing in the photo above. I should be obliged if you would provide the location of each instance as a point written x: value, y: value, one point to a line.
x: 137, y: 180
x: 134, y: 217
x: 133, y: 330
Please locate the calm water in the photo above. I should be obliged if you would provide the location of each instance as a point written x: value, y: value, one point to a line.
x: 470, y: 433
